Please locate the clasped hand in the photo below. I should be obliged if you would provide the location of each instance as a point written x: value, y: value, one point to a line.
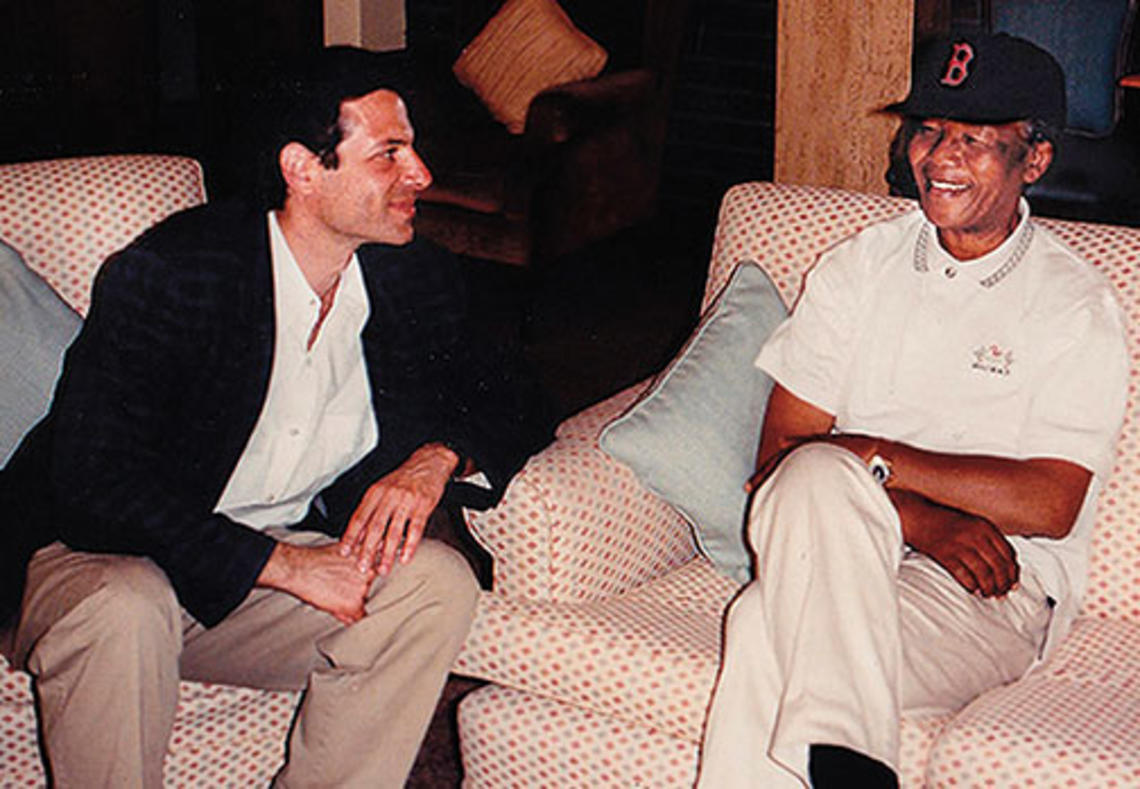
x: 393, y: 512
x: 336, y: 577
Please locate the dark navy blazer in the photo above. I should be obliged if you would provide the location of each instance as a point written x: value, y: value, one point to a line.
x: 162, y: 388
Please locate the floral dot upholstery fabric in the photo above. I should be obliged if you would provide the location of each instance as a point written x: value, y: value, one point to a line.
x: 511, y: 739
x: 602, y: 633
x: 65, y: 217
x: 1074, y: 723
x: 223, y: 735
x: 576, y: 525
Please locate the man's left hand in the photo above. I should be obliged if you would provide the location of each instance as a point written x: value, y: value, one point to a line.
x: 396, y: 508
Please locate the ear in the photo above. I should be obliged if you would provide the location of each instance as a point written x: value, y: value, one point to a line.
x: 297, y: 163
x: 1037, y: 161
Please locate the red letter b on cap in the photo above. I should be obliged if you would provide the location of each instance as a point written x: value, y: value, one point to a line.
x: 957, y: 68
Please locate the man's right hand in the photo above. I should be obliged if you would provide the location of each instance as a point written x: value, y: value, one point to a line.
x: 970, y: 548
x: 320, y: 576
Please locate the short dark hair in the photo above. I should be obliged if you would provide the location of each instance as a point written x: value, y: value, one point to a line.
x: 302, y: 104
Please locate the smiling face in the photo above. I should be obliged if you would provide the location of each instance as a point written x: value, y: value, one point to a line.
x: 970, y: 178
x: 370, y: 196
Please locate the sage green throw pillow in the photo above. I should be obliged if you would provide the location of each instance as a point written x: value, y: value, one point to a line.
x: 36, y: 326
x: 692, y: 438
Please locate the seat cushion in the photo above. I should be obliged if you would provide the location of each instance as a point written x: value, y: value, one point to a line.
x: 627, y: 674
x: 511, y: 738
x: 223, y: 735
x: 649, y: 656
x: 1073, y: 722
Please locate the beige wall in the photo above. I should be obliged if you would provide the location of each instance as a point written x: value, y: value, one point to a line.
x: 378, y: 25
x: 838, y: 61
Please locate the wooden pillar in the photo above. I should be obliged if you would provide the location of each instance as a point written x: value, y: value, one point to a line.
x: 838, y: 61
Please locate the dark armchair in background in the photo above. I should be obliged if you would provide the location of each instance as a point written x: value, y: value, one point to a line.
x: 587, y: 161
x: 1096, y: 171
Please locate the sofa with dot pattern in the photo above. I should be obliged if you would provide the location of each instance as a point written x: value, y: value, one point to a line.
x: 601, y: 636
x: 65, y: 216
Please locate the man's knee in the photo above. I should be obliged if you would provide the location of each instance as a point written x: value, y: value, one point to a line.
x: 442, y: 582
x: 823, y: 489
x: 819, y: 464
x: 447, y: 576
x: 747, y: 611
x: 137, y: 588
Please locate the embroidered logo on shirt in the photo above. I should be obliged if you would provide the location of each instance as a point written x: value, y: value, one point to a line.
x: 992, y: 359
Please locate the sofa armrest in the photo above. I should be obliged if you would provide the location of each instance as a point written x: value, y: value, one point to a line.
x: 576, y: 525
x: 563, y: 112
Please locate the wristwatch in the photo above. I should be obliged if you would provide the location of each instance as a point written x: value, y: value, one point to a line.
x: 880, y: 469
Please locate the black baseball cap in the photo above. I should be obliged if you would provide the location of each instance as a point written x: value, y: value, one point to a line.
x: 984, y: 78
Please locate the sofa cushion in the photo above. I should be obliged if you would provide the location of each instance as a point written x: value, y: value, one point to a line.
x: 223, y: 735
x: 649, y: 656
x: 692, y: 438
x: 621, y: 675
x: 508, y: 737
x: 1074, y: 721
x: 36, y: 327
x: 526, y: 47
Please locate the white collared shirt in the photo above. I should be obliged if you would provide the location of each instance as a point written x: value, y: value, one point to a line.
x: 1019, y: 353
x: 317, y: 418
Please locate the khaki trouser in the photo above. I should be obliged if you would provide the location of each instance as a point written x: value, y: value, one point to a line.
x: 844, y: 628
x: 106, y: 642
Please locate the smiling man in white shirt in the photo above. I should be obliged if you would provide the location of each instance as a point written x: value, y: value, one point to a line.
x: 948, y: 392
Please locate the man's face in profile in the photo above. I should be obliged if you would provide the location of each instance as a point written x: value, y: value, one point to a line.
x: 371, y: 195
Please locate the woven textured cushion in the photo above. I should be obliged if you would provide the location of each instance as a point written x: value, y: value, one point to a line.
x: 692, y: 438
x: 36, y: 327
x: 526, y: 47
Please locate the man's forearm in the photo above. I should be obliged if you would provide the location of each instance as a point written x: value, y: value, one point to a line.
x: 1036, y: 497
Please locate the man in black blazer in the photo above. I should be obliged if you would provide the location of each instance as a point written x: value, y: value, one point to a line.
x: 260, y: 415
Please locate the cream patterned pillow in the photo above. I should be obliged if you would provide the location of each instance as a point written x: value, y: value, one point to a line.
x: 526, y: 47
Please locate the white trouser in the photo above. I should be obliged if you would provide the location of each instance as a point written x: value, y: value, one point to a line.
x: 844, y: 627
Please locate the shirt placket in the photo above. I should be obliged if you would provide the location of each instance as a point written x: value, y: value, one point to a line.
x: 301, y: 382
